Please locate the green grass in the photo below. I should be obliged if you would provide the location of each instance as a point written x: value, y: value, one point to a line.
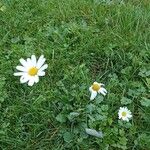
x: 83, y: 41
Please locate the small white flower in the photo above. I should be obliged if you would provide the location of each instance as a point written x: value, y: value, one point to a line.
x: 97, y: 88
x: 124, y: 114
x: 31, y: 69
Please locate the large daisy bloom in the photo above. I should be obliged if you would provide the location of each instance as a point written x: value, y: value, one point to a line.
x: 124, y: 114
x: 31, y: 69
x: 97, y: 88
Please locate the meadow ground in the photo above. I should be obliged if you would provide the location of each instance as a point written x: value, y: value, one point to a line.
x: 83, y: 41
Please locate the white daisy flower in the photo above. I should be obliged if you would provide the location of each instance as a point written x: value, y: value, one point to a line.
x: 124, y: 114
x: 97, y: 88
x: 31, y: 69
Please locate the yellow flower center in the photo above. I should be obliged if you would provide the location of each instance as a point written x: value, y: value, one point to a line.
x: 96, y: 87
x: 124, y: 114
x: 33, y: 71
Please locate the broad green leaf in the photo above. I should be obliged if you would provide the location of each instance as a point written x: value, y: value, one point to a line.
x: 68, y: 137
x: 126, y: 101
x: 145, y: 102
x: 73, y: 115
x: 61, y: 118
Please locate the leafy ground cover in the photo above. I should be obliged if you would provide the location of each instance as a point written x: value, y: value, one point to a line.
x: 83, y: 41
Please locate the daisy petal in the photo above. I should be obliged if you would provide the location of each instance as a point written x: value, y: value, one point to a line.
x: 36, y: 79
x: 102, y: 91
x: 101, y: 84
x: 96, y: 83
x: 125, y: 119
x: 24, y: 79
x: 31, y: 82
x: 119, y: 116
x: 21, y: 68
x: 40, y: 62
x: 41, y: 73
x: 93, y: 95
x: 43, y: 67
x: 29, y: 62
x: 129, y: 116
x: 33, y: 59
x: 23, y: 62
x: 18, y: 73
x: 90, y: 89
